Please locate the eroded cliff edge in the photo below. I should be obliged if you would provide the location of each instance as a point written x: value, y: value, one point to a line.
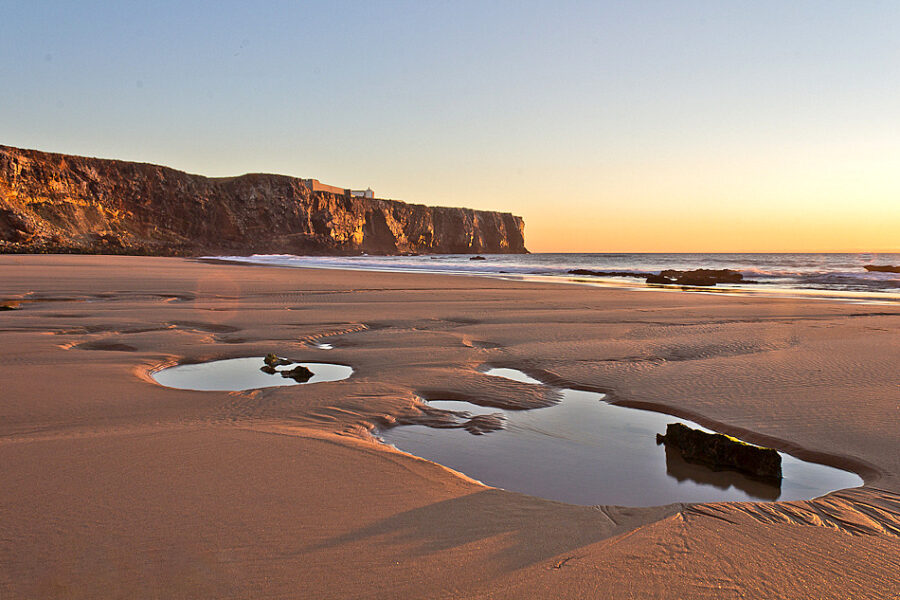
x: 62, y: 203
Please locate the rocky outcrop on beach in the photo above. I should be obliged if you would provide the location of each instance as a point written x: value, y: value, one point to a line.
x: 62, y: 203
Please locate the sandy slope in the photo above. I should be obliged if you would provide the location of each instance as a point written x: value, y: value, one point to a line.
x: 111, y: 486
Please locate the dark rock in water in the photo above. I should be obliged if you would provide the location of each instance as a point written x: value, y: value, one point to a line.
x: 606, y: 273
x: 268, y: 369
x: 481, y: 424
x: 298, y: 373
x: 883, y: 268
x: 273, y: 360
x: 706, y: 276
x: 7, y: 307
x: 658, y: 279
x: 477, y: 258
x: 698, y: 277
x: 721, y: 451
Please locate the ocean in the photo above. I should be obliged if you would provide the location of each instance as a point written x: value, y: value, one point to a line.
x: 833, y: 276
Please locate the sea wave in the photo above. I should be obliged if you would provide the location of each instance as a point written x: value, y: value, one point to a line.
x: 832, y: 273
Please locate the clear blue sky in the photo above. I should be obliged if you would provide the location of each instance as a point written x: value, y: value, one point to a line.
x: 759, y: 125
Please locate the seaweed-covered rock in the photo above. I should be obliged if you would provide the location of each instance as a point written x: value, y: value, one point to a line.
x: 721, y: 451
x: 298, y: 373
x: 273, y: 360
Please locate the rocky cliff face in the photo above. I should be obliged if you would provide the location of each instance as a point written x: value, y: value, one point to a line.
x: 62, y: 203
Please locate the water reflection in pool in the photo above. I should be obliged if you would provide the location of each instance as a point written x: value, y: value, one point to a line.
x: 587, y: 451
x: 236, y: 374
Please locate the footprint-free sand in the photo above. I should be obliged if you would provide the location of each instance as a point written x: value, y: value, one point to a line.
x: 114, y: 486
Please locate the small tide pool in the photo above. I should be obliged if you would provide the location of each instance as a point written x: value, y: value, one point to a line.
x: 237, y: 374
x: 584, y: 450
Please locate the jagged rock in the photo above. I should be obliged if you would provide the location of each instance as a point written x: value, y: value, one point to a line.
x: 62, y: 203
x: 298, y: 373
x: 268, y: 369
x: 883, y: 268
x: 273, y: 360
x: 477, y: 258
x: 721, y: 451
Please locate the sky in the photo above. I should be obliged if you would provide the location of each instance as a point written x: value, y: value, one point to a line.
x: 634, y: 126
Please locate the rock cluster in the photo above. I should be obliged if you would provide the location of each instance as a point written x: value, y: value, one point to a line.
x: 721, y: 451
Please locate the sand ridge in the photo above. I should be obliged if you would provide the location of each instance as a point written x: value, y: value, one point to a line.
x: 115, y: 486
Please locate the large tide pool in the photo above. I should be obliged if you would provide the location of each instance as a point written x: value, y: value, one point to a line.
x: 586, y: 451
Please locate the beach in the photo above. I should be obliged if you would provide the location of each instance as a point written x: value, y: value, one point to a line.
x: 114, y: 486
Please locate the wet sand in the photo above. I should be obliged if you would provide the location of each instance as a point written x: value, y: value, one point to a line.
x: 114, y: 486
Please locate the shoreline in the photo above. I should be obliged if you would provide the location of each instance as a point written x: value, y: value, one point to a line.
x: 96, y: 454
x: 749, y: 289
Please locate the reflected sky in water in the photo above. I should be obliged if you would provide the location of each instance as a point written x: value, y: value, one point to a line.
x: 236, y: 374
x: 587, y: 451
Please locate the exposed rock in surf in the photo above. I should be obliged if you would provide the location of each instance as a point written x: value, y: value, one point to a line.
x: 697, y: 277
x: 883, y: 268
x: 298, y: 373
x: 721, y: 451
x: 268, y: 369
x: 477, y: 258
x: 606, y: 273
x: 658, y: 279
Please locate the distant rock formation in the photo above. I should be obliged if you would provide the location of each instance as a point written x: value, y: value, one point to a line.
x: 61, y: 203
x: 883, y: 268
x: 721, y: 451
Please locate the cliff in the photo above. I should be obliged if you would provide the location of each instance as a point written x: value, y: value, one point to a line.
x: 61, y: 203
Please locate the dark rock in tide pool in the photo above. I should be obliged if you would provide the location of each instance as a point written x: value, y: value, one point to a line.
x: 721, y: 451
x: 477, y: 258
x: 273, y: 360
x: 883, y: 268
x: 268, y: 369
x: 298, y: 373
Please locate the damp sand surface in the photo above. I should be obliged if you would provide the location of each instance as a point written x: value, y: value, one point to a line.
x: 114, y: 486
